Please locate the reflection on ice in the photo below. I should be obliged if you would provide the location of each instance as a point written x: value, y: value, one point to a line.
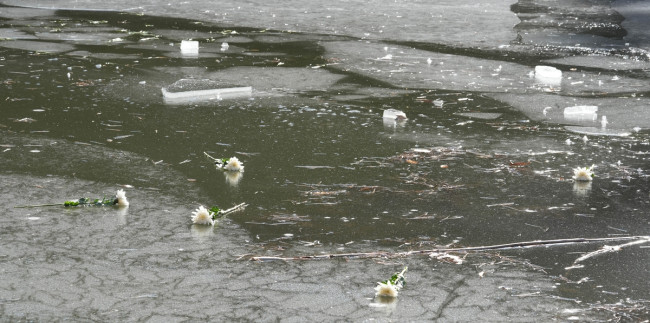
x: 232, y: 177
x: 201, y: 232
x: 122, y: 213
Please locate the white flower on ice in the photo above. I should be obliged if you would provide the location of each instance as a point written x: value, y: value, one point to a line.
x: 583, y: 174
x: 202, y: 216
x: 234, y: 165
x: 386, y: 290
x: 121, y: 198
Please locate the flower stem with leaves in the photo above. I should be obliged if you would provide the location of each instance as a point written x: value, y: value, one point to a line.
x: 119, y: 199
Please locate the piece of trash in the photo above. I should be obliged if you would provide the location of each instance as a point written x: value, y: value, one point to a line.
x: 224, y: 46
x: 438, y: 103
x: 548, y: 75
x: 190, y: 47
x: 394, y: 114
x: 581, y: 113
x: 192, y: 90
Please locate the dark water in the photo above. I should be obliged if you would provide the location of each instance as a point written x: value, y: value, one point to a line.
x: 485, y: 157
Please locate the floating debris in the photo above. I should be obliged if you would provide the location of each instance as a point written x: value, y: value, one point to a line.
x: 190, y: 48
x: 394, y: 114
x: 192, y: 90
x: 581, y: 113
x: 548, y: 75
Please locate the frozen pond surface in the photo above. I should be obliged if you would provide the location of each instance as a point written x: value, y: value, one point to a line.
x: 485, y: 156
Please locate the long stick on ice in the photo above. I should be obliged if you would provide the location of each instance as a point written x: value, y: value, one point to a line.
x: 515, y: 245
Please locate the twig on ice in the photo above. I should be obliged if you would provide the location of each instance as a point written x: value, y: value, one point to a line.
x: 233, y: 209
x: 515, y: 245
x: 608, y: 249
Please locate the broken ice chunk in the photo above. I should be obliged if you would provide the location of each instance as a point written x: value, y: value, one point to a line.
x: 194, y: 90
x: 594, y: 131
x: 548, y: 75
x: 190, y: 48
x: 394, y: 114
x: 581, y: 113
x: 480, y: 115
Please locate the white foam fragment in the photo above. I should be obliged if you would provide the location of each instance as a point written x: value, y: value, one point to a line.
x: 190, y: 47
x: 394, y: 114
x: 581, y: 113
x: 548, y: 75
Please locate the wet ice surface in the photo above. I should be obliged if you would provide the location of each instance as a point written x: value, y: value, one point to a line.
x: 145, y: 262
x: 484, y: 156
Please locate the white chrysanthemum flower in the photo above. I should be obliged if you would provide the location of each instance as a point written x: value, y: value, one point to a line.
x: 202, y: 216
x: 583, y: 174
x: 386, y: 290
x: 121, y: 198
x: 234, y: 165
